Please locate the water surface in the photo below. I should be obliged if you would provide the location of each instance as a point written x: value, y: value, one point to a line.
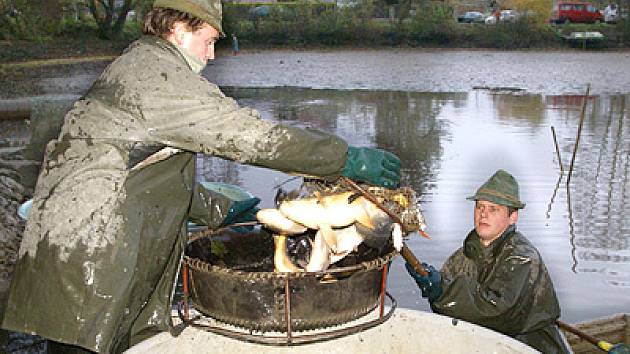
x: 450, y: 143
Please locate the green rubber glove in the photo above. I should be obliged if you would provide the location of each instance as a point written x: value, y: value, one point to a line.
x: 242, y: 211
x: 619, y: 349
x: 375, y: 166
x: 431, y: 284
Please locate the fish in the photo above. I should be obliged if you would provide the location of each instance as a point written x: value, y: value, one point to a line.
x: 274, y: 220
x: 343, y: 220
x: 281, y: 261
x: 319, y: 259
x: 337, y: 210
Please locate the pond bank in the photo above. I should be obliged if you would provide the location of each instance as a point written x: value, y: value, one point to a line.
x: 417, y: 70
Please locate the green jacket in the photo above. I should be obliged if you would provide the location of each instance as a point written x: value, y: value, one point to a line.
x: 504, y: 287
x: 105, y: 236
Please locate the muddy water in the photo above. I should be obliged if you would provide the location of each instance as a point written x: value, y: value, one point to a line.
x: 453, y: 138
x: 451, y: 143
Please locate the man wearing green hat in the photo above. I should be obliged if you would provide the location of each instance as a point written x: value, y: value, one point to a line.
x: 497, y: 279
x: 106, y: 233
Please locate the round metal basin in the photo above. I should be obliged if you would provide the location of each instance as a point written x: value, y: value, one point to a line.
x: 239, y: 287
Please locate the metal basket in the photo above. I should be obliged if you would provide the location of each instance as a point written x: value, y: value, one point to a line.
x: 238, y: 293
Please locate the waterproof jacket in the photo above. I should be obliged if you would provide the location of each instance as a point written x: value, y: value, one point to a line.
x: 505, y: 287
x: 105, y: 236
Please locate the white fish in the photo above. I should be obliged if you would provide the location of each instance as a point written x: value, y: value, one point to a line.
x: 336, y: 210
x: 274, y: 220
x: 347, y: 240
x: 343, y: 223
x: 320, y: 254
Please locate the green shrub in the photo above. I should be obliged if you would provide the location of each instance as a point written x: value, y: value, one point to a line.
x: 22, y: 22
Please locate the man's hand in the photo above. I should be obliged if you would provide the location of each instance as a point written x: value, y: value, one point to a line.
x: 375, y: 166
x: 431, y: 284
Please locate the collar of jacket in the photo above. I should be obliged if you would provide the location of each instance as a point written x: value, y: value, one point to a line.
x: 474, y: 250
x: 163, y: 44
x: 194, y: 63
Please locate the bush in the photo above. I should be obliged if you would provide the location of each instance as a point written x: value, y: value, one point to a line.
x: 22, y: 22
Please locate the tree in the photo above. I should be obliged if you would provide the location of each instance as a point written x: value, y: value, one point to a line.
x: 539, y: 10
x: 110, y: 16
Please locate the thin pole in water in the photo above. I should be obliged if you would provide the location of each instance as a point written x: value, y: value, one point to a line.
x: 579, y: 132
x: 555, y: 141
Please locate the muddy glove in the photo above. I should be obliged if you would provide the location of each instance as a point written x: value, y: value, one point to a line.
x: 374, y: 166
x: 430, y: 285
x: 619, y: 349
x: 242, y: 211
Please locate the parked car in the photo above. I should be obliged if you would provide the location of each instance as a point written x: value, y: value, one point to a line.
x: 471, y: 17
x: 504, y: 16
x: 575, y: 11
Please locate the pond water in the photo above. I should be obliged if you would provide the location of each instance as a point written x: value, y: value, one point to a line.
x: 450, y: 143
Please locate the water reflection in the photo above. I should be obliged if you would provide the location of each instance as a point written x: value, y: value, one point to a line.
x: 451, y: 143
x: 402, y: 122
x: 598, y: 195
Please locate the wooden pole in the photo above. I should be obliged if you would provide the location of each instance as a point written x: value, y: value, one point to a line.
x: 413, y: 261
x: 602, y: 344
x: 405, y: 251
x: 555, y: 141
x: 579, y: 132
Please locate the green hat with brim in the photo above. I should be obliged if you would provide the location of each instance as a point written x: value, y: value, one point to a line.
x: 209, y: 11
x: 501, y: 188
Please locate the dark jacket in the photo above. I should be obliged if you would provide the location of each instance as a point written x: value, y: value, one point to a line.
x: 505, y: 287
x: 105, y: 236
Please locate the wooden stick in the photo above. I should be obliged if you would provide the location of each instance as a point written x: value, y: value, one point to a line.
x: 413, y: 261
x: 373, y: 199
x: 555, y: 141
x: 602, y: 344
x: 405, y: 251
x: 579, y: 132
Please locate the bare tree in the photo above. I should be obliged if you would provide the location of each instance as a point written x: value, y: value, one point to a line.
x: 110, y: 15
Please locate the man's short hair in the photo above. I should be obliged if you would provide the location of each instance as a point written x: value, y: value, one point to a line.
x: 159, y: 21
x: 511, y: 210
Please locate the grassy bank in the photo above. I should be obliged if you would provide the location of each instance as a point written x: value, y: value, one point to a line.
x: 313, y: 26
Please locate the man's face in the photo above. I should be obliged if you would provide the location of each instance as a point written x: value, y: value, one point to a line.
x: 200, y: 42
x: 491, y: 220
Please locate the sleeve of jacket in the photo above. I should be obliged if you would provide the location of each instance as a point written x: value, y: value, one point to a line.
x: 498, y: 303
x: 216, y: 125
x: 208, y: 207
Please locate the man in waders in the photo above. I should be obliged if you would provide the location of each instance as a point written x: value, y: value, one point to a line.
x: 497, y: 279
x: 104, y: 238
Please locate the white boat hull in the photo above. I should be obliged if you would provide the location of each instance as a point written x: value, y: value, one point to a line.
x: 407, y: 331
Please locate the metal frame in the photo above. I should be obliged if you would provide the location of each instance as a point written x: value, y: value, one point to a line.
x: 288, y: 339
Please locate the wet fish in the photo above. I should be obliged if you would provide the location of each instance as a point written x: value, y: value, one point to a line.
x: 337, y: 210
x: 274, y: 220
x: 282, y: 262
x: 320, y: 255
x: 343, y: 221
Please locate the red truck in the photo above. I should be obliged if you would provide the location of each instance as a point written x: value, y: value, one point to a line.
x: 576, y: 11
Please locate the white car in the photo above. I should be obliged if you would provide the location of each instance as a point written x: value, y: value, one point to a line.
x: 504, y: 16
